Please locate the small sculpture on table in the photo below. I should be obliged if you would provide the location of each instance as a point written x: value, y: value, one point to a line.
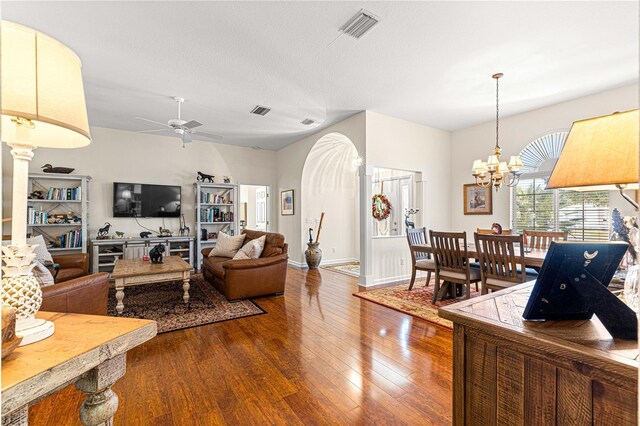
x: 102, y: 232
x: 164, y: 232
x: 203, y: 177
x: 156, y: 254
x: 119, y: 234
x: 227, y: 179
x: 145, y: 234
x: 407, y: 223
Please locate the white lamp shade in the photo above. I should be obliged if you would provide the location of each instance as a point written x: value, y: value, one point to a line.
x: 41, y: 82
x: 477, y: 166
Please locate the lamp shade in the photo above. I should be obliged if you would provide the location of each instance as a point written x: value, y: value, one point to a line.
x: 599, y: 153
x: 43, y: 102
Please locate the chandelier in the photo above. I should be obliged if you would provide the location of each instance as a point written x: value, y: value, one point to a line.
x: 494, y: 172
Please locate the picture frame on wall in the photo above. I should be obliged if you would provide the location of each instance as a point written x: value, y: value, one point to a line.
x: 477, y: 199
x: 286, y: 202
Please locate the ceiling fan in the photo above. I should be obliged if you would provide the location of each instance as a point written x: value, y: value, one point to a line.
x: 182, y: 128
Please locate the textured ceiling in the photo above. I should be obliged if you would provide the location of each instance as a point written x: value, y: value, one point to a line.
x: 428, y: 62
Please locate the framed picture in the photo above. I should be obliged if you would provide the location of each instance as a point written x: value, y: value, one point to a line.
x: 477, y: 199
x: 286, y: 202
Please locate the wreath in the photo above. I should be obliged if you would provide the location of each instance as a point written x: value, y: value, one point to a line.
x: 380, y: 207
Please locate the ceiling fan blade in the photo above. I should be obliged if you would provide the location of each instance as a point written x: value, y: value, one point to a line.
x: 152, y: 131
x: 155, y: 122
x: 191, y: 124
x: 208, y: 135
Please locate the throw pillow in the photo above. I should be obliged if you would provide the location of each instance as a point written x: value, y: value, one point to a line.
x: 42, y: 274
x: 42, y: 254
x: 251, y: 250
x: 227, y: 245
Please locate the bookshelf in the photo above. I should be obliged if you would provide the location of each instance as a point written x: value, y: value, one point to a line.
x: 62, y: 217
x: 216, y: 208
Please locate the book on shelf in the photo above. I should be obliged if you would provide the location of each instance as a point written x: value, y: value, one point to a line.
x: 211, y: 198
x: 36, y: 217
x: 64, y: 194
x: 71, y: 239
x: 214, y: 214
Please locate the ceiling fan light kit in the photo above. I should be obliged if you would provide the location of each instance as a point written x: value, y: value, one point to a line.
x: 181, y: 128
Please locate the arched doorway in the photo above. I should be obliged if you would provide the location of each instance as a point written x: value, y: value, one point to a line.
x: 330, y: 185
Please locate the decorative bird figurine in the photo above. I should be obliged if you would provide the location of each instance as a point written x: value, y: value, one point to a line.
x: 48, y: 168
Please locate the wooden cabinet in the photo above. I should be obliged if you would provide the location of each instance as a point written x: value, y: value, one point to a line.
x: 104, y: 253
x: 510, y: 372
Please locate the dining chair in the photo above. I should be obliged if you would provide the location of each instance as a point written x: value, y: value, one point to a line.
x: 420, y: 260
x: 490, y: 231
x: 452, y: 265
x: 501, y: 261
x: 542, y: 239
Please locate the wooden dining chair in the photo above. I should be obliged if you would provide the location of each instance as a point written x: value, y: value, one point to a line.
x: 420, y: 260
x: 451, y: 256
x: 542, y: 239
x: 482, y: 231
x: 501, y: 261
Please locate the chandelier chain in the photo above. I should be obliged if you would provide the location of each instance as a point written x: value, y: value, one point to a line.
x: 497, y: 113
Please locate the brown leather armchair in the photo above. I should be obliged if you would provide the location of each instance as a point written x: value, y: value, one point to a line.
x: 85, y: 295
x: 71, y: 266
x: 241, y: 279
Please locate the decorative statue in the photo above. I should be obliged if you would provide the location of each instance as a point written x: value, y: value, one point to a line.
x: 102, y: 232
x: 626, y: 229
x: 145, y: 234
x: 407, y: 223
x: 156, y: 253
x: 203, y: 177
x: 36, y: 195
x: 496, y: 228
x: 119, y: 234
x: 164, y: 232
x: 227, y: 179
x: 48, y: 168
x: 184, y: 229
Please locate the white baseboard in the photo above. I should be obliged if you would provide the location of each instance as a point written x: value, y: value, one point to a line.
x: 297, y: 265
x: 300, y: 265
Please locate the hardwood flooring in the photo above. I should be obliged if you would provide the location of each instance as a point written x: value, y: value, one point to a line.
x: 319, y: 356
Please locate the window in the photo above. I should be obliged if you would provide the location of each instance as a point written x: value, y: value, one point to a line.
x: 585, y: 215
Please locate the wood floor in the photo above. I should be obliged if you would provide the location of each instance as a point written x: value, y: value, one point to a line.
x: 319, y: 356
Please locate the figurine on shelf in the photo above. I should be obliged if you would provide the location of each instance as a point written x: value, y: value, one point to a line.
x: 164, y: 232
x: 102, y: 232
x: 48, y: 168
x: 36, y: 195
x: 145, y: 234
x: 407, y: 223
x: 203, y: 177
x: 119, y: 234
x: 227, y: 179
x: 156, y: 253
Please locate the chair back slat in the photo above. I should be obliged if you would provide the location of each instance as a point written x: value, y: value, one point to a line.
x: 499, y: 257
x: 417, y: 236
x: 542, y: 239
x: 450, y: 251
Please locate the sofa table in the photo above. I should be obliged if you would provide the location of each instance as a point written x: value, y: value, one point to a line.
x: 128, y: 272
x: 507, y: 371
x: 87, y: 350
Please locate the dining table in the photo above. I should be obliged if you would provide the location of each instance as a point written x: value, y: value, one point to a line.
x: 533, y: 258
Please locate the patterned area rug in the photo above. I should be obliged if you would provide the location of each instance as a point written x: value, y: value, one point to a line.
x: 351, y: 269
x: 163, y: 303
x: 416, y: 302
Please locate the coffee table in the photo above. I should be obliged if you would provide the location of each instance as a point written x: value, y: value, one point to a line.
x: 128, y: 272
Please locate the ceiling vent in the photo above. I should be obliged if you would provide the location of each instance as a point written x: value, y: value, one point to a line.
x: 260, y: 110
x: 360, y: 24
x: 307, y: 121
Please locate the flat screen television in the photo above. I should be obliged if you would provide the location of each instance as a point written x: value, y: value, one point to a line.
x: 144, y: 200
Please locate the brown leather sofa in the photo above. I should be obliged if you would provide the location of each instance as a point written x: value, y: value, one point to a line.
x: 71, y: 266
x: 244, y: 278
x: 85, y: 295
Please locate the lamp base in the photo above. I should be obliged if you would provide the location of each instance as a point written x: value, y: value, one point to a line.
x: 33, y: 330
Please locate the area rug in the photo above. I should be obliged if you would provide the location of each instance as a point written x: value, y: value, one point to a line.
x: 163, y: 303
x: 416, y: 302
x: 351, y: 269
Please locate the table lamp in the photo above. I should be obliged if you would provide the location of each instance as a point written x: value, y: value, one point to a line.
x: 600, y: 154
x: 43, y: 105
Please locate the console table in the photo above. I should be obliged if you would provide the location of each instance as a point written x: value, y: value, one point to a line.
x: 508, y: 371
x: 87, y: 350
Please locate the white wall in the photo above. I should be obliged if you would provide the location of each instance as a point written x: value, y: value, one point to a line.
x: 516, y: 132
x: 123, y: 156
x: 400, y: 144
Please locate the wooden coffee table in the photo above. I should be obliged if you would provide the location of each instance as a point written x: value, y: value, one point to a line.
x: 128, y: 272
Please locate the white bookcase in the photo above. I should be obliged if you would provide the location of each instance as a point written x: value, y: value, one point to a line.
x: 74, y: 198
x: 216, y: 211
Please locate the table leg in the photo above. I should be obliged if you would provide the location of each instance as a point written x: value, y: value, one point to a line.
x: 101, y: 403
x: 120, y: 295
x: 19, y: 417
x: 185, y: 287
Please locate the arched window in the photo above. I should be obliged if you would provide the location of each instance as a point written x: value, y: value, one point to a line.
x: 585, y: 215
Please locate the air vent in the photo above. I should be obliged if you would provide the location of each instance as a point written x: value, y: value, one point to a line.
x: 260, y: 110
x: 360, y: 24
x: 307, y: 121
